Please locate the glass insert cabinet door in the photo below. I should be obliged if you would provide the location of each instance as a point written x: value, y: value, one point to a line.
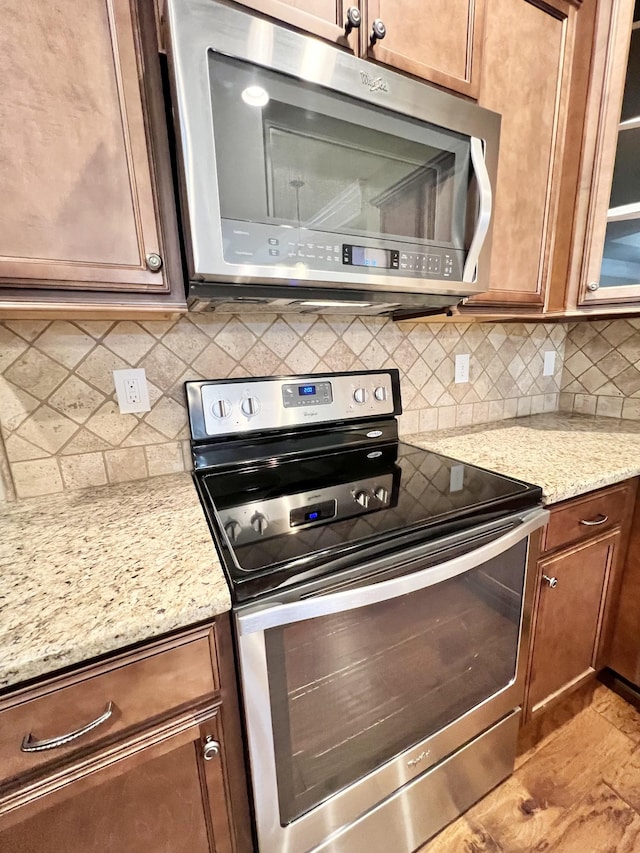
x: 618, y: 277
x: 335, y: 701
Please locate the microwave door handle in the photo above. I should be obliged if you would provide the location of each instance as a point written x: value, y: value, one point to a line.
x: 484, y: 209
x: 277, y: 614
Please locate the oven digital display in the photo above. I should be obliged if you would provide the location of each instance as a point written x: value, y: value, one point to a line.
x: 368, y: 257
x: 316, y: 512
x: 307, y: 390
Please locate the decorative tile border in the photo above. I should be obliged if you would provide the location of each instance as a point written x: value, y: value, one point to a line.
x: 62, y: 429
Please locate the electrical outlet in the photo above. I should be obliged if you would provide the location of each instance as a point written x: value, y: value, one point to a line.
x: 132, y: 390
x: 549, y: 363
x: 462, y: 368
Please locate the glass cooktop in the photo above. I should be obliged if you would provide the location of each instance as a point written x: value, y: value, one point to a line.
x: 288, y: 515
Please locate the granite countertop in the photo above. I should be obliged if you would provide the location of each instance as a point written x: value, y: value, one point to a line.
x: 566, y: 454
x: 94, y: 571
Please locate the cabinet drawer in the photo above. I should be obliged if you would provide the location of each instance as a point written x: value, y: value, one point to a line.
x: 138, y: 689
x: 585, y: 517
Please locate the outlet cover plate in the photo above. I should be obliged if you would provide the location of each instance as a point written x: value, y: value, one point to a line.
x: 123, y: 380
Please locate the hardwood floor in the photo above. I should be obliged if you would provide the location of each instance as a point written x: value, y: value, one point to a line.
x: 576, y: 791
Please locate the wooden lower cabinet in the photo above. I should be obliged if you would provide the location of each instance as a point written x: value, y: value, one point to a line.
x: 624, y: 656
x: 173, y: 784
x: 578, y: 584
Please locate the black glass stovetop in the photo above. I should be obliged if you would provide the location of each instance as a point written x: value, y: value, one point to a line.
x: 278, y: 518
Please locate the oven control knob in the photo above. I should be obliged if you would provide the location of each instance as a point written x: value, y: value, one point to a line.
x: 249, y: 406
x: 221, y: 409
x: 381, y: 494
x: 360, y: 395
x: 233, y: 529
x: 362, y: 498
x: 380, y: 394
x: 259, y: 523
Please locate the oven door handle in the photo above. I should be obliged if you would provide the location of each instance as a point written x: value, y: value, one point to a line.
x: 484, y: 209
x: 273, y: 615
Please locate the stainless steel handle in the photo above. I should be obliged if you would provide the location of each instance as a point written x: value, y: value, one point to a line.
x: 601, y: 519
x: 211, y: 748
x: 29, y: 744
x: 275, y: 615
x: 484, y: 209
x: 553, y: 582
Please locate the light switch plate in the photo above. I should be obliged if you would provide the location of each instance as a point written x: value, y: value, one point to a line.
x: 462, y: 368
x: 549, y: 363
x: 132, y: 390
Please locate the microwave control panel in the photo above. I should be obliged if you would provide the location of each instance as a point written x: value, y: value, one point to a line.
x: 272, y: 245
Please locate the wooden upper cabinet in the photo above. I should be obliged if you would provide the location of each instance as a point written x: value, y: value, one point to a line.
x: 78, y: 206
x: 324, y: 18
x: 526, y: 69
x: 438, y: 40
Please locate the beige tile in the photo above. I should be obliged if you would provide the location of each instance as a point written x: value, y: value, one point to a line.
x: 11, y: 346
x: 95, y: 328
x: 537, y: 404
x: 236, y: 339
x: 41, y: 477
x: 164, y: 458
x: 19, y: 450
x: 110, y: 425
x: 357, y: 336
x: 631, y: 409
x: 129, y: 341
x: 480, y: 413
x: 428, y: 420
x: 168, y: 417
x: 65, y: 342
x: 126, y: 464
x: 142, y: 435
x: 464, y: 415
x: 27, y: 329
x: 163, y: 367
x: 84, y: 442
x: 524, y: 407
x: 585, y: 404
x: 215, y: 363
x: 15, y: 405
x: 98, y: 369
x: 36, y: 373
x: 303, y: 357
x: 80, y: 472
x: 609, y: 407
x: 47, y: 429
x: 339, y: 357
x: 496, y: 410
x: 187, y: 459
x: 550, y: 402
x: 446, y: 417
x: 279, y: 337
x: 409, y: 422
x: 75, y: 399
x: 321, y: 338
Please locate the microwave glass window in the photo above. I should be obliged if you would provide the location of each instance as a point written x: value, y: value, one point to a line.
x: 291, y: 153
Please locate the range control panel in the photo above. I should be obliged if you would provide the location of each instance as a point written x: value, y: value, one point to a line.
x: 228, y: 407
x: 261, y: 520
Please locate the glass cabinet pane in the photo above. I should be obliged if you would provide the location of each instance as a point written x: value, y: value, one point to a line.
x: 621, y: 259
x: 631, y: 101
x: 626, y: 174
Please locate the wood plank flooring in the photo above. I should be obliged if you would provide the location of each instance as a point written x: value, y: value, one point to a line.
x: 576, y: 791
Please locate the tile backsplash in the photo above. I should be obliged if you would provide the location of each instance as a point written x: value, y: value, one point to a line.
x: 62, y: 429
x: 602, y: 369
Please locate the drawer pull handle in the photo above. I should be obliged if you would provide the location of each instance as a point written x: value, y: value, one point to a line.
x: 601, y: 519
x: 553, y: 582
x: 29, y: 744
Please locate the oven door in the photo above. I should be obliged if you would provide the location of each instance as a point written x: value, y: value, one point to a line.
x: 353, y: 690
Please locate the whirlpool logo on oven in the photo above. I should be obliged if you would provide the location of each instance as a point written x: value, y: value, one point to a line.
x: 374, y: 84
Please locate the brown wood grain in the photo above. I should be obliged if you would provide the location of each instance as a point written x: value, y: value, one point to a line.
x: 535, y: 42
x: 140, y: 691
x: 438, y: 40
x: 624, y: 657
x: 565, y: 525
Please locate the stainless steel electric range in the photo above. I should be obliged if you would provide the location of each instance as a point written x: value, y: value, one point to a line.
x: 381, y: 599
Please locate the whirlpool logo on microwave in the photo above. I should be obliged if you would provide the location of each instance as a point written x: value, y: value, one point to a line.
x: 374, y: 84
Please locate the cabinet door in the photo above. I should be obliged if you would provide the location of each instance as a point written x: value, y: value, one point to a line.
x: 77, y: 207
x: 438, y: 40
x: 624, y: 656
x: 324, y: 18
x: 610, y: 257
x: 569, y: 617
x: 525, y: 77
x: 162, y: 797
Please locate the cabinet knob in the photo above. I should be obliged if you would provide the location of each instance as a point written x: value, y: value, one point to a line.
x: 354, y: 19
x: 154, y: 262
x: 553, y: 582
x: 593, y: 286
x: 211, y: 748
x: 378, y: 31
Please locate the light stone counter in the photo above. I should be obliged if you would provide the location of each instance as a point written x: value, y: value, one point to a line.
x: 566, y: 454
x: 90, y: 572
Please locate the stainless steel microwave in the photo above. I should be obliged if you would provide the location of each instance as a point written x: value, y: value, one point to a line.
x: 314, y: 180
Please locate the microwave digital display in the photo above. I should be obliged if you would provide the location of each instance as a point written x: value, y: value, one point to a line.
x: 367, y: 257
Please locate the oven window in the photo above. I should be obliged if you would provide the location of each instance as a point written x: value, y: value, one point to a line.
x: 350, y: 691
x: 294, y: 154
